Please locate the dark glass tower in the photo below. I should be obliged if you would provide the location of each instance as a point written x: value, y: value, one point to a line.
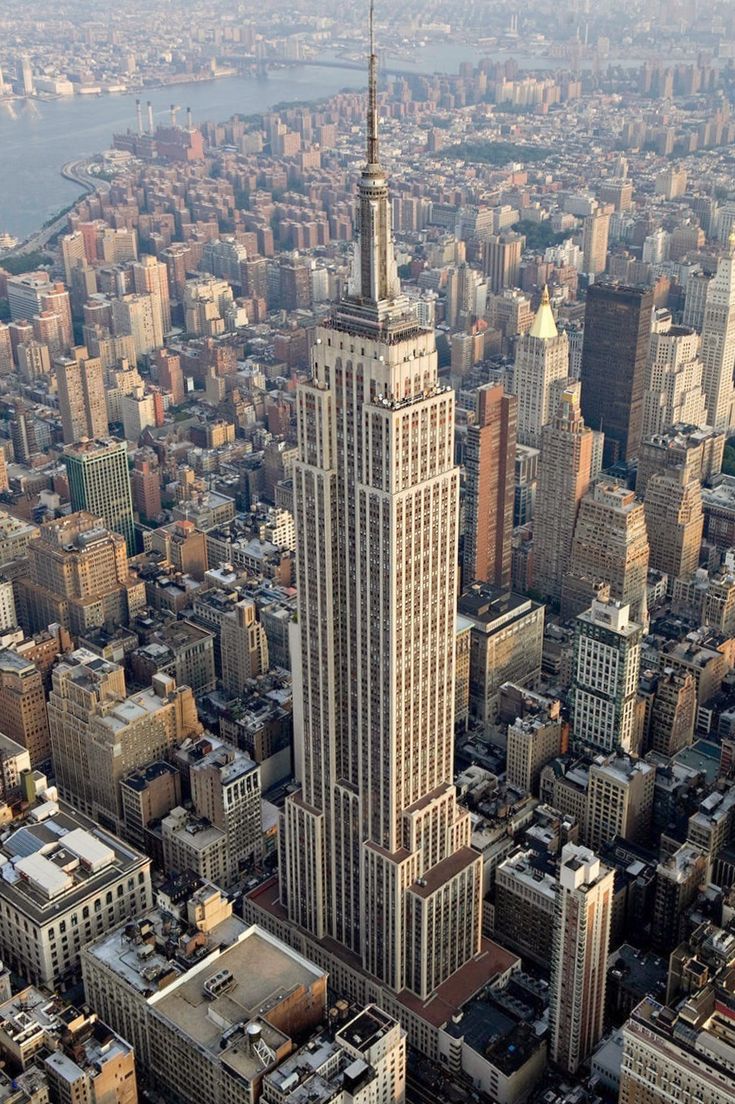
x: 617, y: 330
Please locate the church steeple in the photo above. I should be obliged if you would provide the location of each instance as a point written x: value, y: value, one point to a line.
x: 374, y: 280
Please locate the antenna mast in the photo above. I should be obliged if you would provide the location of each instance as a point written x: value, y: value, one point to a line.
x: 373, y: 156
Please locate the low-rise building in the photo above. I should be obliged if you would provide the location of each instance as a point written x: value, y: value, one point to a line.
x: 212, y: 1006
x: 364, y: 1061
x: 80, y: 1059
x: 65, y: 881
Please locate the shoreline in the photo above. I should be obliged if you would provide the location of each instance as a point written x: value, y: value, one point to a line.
x: 72, y: 171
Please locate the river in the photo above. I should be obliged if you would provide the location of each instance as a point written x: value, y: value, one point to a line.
x: 37, y: 137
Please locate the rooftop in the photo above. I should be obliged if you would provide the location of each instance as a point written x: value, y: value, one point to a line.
x: 142, y: 778
x: 215, y: 1001
x: 54, y: 858
x: 490, y: 608
x: 497, y: 1036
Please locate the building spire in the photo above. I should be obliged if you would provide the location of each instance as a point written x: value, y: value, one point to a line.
x: 374, y: 282
x: 373, y: 156
x: 544, y: 325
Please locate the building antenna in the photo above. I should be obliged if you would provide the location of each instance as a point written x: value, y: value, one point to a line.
x: 372, y: 129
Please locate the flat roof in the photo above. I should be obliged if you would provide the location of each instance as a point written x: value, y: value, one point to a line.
x: 55, y: 842
x: 262, y: 972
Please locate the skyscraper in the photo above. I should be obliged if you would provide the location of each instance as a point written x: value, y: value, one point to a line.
x: 675, y: 522
x: 579, y: 951
x: 23, y: 433
x: 501, y: 256
x: 73, y: 253
x: 81, y: 396
x: 56, y: 300
x: 565, y: 468
x: 490, y: 467
x: 225, y: 788
x: 376, y: 852
x: 595, y: 235
x: 99, y: 482
x: 244, y: 647
x: 718, y: 341
x: 610, y: 546
x: 170, y: 375
x: 674, y: 391
x: 541, y: 364
x: 150, y: 276
x: 607, y: 648
x: 617, y: 327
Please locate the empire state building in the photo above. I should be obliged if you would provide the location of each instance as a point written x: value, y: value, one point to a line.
x: 375, y: 850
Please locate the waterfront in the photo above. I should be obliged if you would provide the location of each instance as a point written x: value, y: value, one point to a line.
x: 38, y: 137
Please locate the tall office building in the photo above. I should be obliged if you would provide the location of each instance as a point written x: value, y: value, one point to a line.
x: 23, y: 705
x: 78, y: 577
x: 24, y: 293
x: 675, y: 523
x: 595, y: 234
x: 620, y: 794
x: 607, y: 650
x: 685, y: 452
x: 73, y: 253
x: 617, y: 328
x: 673, y: 389
x: 696, y: 299
x: 82, y: 400
x: 56, y: 301
x: 137, y: 411
x: 541, y: 367
x: 610, y: 546
x: 501, y: 260
x: 150, y: 277
x: 579, y: 952
x: 526, y: 484
x: 376, y: 852
x: 23, y: 433
x: 137, y: 314
x: 673, y: 713
x: 718, y: 341
x: 170, y: 375
x: 6, y: 350
x: 490, y: 466
x: 466, y: 296
x: 565, y: 469
x: 99, y: 733
x: 244, y: 647
x: 99, y: 482
x: 25, y: 74
x: 225, y: 789
x: 145, y: 485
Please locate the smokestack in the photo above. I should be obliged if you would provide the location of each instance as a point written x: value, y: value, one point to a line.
x: 139, y: 116
x: 172, y: 112
x: 189, y: 123
x: 150, y: 117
